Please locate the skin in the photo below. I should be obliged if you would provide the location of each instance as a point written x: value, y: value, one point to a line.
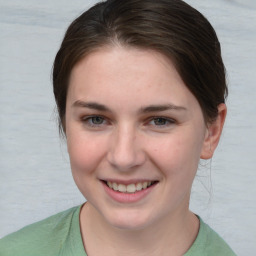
x: 129, y: 140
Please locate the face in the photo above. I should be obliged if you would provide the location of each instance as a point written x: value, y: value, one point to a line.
x: 135, y: 134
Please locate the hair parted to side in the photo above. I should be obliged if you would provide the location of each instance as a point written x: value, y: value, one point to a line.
x: 171, y: 27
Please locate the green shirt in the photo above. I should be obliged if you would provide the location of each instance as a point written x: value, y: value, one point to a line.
x: 60, y: 235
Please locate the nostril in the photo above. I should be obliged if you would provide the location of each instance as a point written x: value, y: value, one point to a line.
x: 125, y: 160
x: 125, y: 152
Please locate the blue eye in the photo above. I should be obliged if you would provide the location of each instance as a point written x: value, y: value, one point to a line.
x: 94, y: 121
x: 97, y: 120
x: 161, y: 121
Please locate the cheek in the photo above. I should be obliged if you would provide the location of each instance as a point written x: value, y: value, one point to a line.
x: 177, y: 155
x: 84, y: 153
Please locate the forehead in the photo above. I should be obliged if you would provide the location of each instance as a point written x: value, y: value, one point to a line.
x: 129, y: 59
x: 120, y: 74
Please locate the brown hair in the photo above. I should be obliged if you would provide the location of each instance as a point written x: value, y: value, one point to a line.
x: 170, y: 27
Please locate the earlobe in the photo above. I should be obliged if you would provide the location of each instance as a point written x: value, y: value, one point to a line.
x: 213, y: 133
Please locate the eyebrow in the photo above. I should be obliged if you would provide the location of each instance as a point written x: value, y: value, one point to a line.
x: 147, y: 109
x: 159, y: 108
x: 90, y: 105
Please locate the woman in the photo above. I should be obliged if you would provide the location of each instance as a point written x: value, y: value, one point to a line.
x: 140, y: 90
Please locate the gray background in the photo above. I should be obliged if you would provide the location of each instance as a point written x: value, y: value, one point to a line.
x: 35, y: 178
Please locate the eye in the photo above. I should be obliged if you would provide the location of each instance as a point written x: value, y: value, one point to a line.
x: 97, y: 120
x: 161, y: 121
x: 94, y: 121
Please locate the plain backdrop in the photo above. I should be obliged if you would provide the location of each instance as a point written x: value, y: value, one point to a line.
x: 35, y: 177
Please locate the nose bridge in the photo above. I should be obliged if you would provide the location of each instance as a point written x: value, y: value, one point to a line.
x: 125, y: 151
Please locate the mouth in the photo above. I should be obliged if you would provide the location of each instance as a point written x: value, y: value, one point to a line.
x: 129, y: 188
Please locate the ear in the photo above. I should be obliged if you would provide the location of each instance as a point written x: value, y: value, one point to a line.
x: 213, y: 133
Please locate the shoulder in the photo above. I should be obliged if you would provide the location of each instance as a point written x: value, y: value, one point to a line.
x: 41, y: 238
x: 209, y: 243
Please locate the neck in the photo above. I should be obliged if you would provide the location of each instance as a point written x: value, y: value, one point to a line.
x: 172, y: 235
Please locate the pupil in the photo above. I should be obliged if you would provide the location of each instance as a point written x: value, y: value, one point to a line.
x: 97, y: 120
x: 160, y: 121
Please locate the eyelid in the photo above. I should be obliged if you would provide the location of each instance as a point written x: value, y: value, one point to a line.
x: 167, y: 119
x: 86, y: 119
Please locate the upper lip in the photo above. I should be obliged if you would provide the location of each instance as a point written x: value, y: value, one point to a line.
x: 127, y: 182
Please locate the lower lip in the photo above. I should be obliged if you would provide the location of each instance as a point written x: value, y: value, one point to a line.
x: 128, y: 197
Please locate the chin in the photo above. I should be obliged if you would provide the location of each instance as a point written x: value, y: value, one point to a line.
x: 129, y: 220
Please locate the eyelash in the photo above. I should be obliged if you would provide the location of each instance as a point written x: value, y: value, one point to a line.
x: 169, y: 121
x: 88, y: 120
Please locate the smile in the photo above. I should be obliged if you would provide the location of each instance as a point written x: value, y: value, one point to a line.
x: 130, y: 188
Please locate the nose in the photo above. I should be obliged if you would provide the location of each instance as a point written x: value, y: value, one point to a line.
x: 126, y: 152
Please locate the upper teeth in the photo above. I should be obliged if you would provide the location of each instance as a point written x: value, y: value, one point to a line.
x: 131, y: 188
